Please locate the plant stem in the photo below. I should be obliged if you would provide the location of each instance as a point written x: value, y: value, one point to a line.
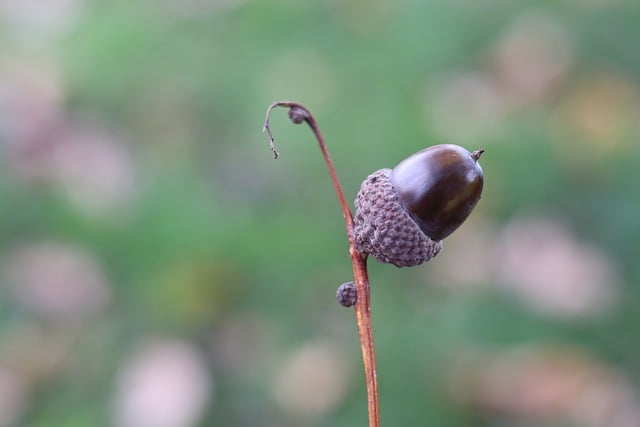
x: 298, y: 114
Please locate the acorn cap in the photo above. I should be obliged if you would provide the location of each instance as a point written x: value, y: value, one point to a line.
x: 384, y: 229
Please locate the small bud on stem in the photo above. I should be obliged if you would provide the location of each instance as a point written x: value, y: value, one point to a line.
x: 347, y: 294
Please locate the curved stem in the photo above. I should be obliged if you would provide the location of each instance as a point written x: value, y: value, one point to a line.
x: 298, y: 114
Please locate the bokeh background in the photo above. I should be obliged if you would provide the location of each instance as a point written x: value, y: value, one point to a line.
x: 159, y: 269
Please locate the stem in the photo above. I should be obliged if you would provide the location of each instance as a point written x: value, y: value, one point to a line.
x: 298, y: 114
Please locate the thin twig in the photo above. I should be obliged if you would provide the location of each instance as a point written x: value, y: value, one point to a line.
x: 298, y: 114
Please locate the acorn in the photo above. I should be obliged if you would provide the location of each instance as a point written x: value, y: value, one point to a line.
x: 402, y: 214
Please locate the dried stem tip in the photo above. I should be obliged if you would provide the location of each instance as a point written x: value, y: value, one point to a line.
x: 297, y: 114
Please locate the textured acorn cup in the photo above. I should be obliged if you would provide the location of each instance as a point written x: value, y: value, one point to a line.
x: 403, y: 214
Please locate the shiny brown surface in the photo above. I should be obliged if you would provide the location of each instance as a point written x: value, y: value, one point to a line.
x: 439, y: 187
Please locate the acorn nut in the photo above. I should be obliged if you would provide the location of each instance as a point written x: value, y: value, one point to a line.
x: 403, y: 214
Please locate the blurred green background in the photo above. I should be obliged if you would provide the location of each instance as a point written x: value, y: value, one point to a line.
x: 159, y: 269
